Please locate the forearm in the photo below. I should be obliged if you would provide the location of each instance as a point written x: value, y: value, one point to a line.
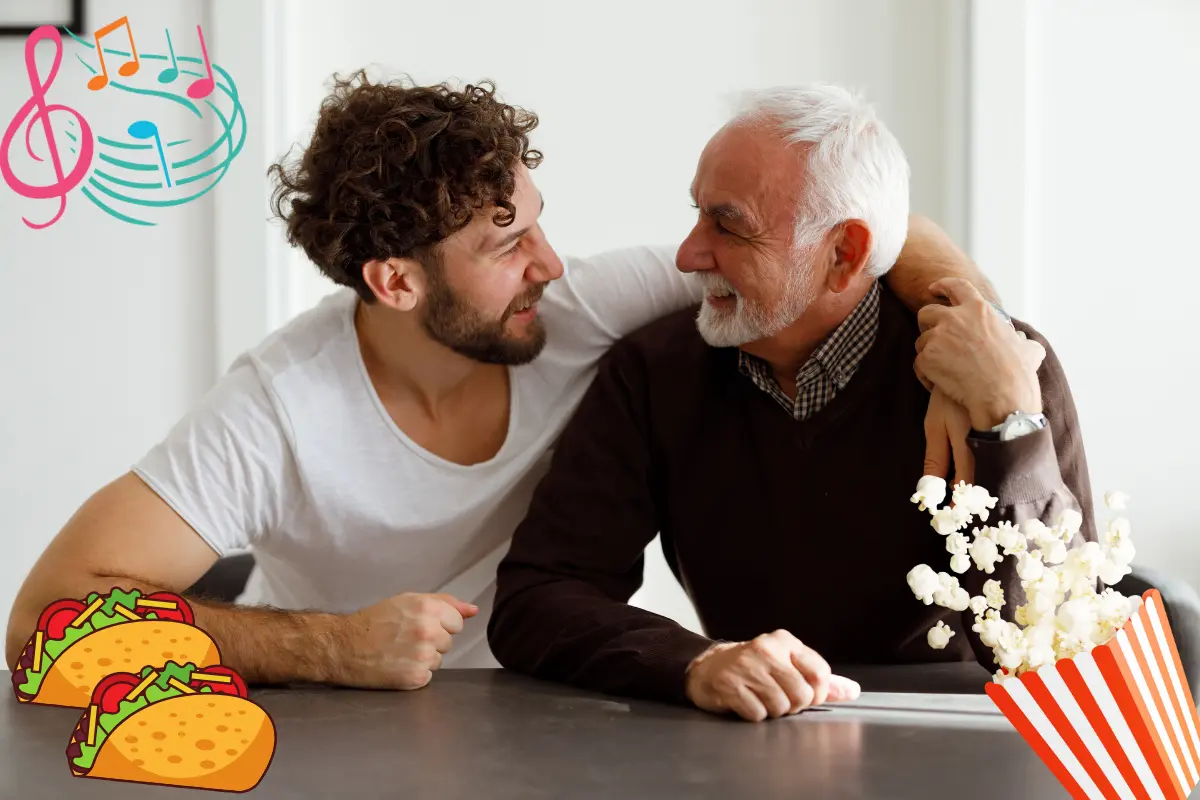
x: 1025, y: 477
x: 570, y: 631
x: 930, y: 255
x: 263, y: 645
x: 268, y: 645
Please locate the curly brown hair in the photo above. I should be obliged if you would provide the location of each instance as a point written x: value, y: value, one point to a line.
x: 393, y: 169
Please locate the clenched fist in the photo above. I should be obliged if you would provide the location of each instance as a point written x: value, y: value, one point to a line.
x: 399, y: 642
x: 772, y: 675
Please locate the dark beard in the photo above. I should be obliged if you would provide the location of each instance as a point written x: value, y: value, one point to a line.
x: 452, y: 322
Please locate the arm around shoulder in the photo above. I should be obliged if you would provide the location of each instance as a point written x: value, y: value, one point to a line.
x: 930, y: 255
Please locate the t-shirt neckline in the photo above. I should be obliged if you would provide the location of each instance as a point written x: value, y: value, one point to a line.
x: 431, y: 457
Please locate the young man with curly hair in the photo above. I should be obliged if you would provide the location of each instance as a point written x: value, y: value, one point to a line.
x: 377, y: 451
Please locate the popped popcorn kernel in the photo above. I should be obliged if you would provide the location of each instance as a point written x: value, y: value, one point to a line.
x: 960, y: 562
x: 931, y: 492
x: 1054, y: 552
x: 957, y: 543
x: 924, y: 582
x: 1118, y: 531
x: 1116, y: 500
x: 975, y: 500
x: 945, y: 521
x: 993, y: 592
x: 939, y: 635
x: 1010, y: 539
x: 1029, y: 566
x: 985, y: 554
x: 1070, y: 520
x: 1035, y: 531
x: 1112, y: 572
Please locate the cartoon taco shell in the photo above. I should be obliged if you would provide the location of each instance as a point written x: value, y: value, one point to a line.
x: 78, y: 642
x: 178, y: 725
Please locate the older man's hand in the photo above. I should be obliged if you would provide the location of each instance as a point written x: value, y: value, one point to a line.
x: 771, y: 675
x: 976, y: 358
x: 947, y: 426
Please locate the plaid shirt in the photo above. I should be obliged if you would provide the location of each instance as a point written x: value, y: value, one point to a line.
x: 829, y: 368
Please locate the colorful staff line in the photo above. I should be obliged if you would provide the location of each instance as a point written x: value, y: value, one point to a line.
x: 229, y: 89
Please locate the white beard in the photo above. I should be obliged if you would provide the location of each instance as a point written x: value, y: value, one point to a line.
x: 749, y: 322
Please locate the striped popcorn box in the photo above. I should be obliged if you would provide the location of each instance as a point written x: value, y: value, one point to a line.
x: 1117, y: 723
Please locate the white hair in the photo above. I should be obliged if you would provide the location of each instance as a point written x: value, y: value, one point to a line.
x: 856, y: 168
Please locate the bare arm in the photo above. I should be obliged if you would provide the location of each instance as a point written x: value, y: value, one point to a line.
x: 930, y: 255
x: 126, y: 536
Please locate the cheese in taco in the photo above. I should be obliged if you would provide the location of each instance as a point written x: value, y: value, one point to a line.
x: 78, y: 642
x: 178, y: 725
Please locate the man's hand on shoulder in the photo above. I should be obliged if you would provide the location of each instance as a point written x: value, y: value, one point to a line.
x: 976, y: 357
x: 399, y: 642
x: 772, y: 675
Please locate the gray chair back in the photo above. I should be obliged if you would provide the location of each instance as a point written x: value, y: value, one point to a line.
x: 225, y: 580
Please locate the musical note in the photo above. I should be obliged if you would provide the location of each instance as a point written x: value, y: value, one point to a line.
x: 98, y: 82
x: 36, y: 109
x: 144, y: 129
x: 202, y: 87
x: 169, y: 74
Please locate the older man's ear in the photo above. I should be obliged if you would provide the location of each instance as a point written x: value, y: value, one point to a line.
x: 930, y: 255
x: 851, y: 247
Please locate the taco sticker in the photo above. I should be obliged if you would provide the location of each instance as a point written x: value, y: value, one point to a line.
x: 78, y: 642
x: 177, y: 725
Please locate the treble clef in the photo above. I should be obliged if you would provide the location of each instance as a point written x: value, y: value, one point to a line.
x: 36, y: 109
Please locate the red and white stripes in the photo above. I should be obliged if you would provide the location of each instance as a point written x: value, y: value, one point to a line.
x: 1118, y: 723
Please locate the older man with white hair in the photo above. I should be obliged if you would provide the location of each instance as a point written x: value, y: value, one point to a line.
x: 774, y: 439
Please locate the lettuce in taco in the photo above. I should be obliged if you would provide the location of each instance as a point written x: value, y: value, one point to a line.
x: 177, y: 725
x: 78, y: 642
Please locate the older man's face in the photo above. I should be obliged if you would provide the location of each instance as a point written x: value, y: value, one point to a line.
x: 746, y: 188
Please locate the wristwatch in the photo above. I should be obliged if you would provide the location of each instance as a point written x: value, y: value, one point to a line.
x: 1004, y: 315
x: 1016, y: 425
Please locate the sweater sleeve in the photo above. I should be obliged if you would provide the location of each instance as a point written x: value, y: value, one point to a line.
x: 1038, y: 475
x: 561, y: 609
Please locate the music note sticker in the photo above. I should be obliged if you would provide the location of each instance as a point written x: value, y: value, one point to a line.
x: 169, y: 74
x: 35, y: 109
x: 144, y: 129
x: 128, y: 68
x: 202, y: 87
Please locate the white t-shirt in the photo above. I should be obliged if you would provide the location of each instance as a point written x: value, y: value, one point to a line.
x: 293, y: 456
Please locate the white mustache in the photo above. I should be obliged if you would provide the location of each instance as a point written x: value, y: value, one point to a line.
x: 714, y: 282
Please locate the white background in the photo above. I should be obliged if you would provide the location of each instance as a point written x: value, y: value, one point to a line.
x: 1056, y: 140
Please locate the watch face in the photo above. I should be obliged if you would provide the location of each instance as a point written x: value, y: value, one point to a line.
x: 1018, y: 427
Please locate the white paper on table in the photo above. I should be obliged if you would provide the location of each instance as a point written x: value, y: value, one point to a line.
x: 916, y: 701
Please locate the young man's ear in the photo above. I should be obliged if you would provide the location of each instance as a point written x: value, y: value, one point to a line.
x: 398, y: 283
x: 851, y: 247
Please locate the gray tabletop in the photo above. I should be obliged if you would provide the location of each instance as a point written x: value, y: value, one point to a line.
x: 493, y: 734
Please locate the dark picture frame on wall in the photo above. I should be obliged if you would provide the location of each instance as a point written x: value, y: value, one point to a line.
x: 9, y: 27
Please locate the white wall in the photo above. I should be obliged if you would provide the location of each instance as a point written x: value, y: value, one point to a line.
x: 628, y: 92
x: 106, y: 329
x: 1113, y: 272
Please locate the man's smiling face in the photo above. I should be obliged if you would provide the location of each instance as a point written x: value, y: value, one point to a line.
x: 747, y: 189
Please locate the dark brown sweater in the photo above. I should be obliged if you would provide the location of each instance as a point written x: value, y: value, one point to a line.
x: 767, y: 522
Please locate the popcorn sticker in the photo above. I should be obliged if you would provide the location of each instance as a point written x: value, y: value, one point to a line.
x: 1118, y: 721
x: 1091, y: 680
